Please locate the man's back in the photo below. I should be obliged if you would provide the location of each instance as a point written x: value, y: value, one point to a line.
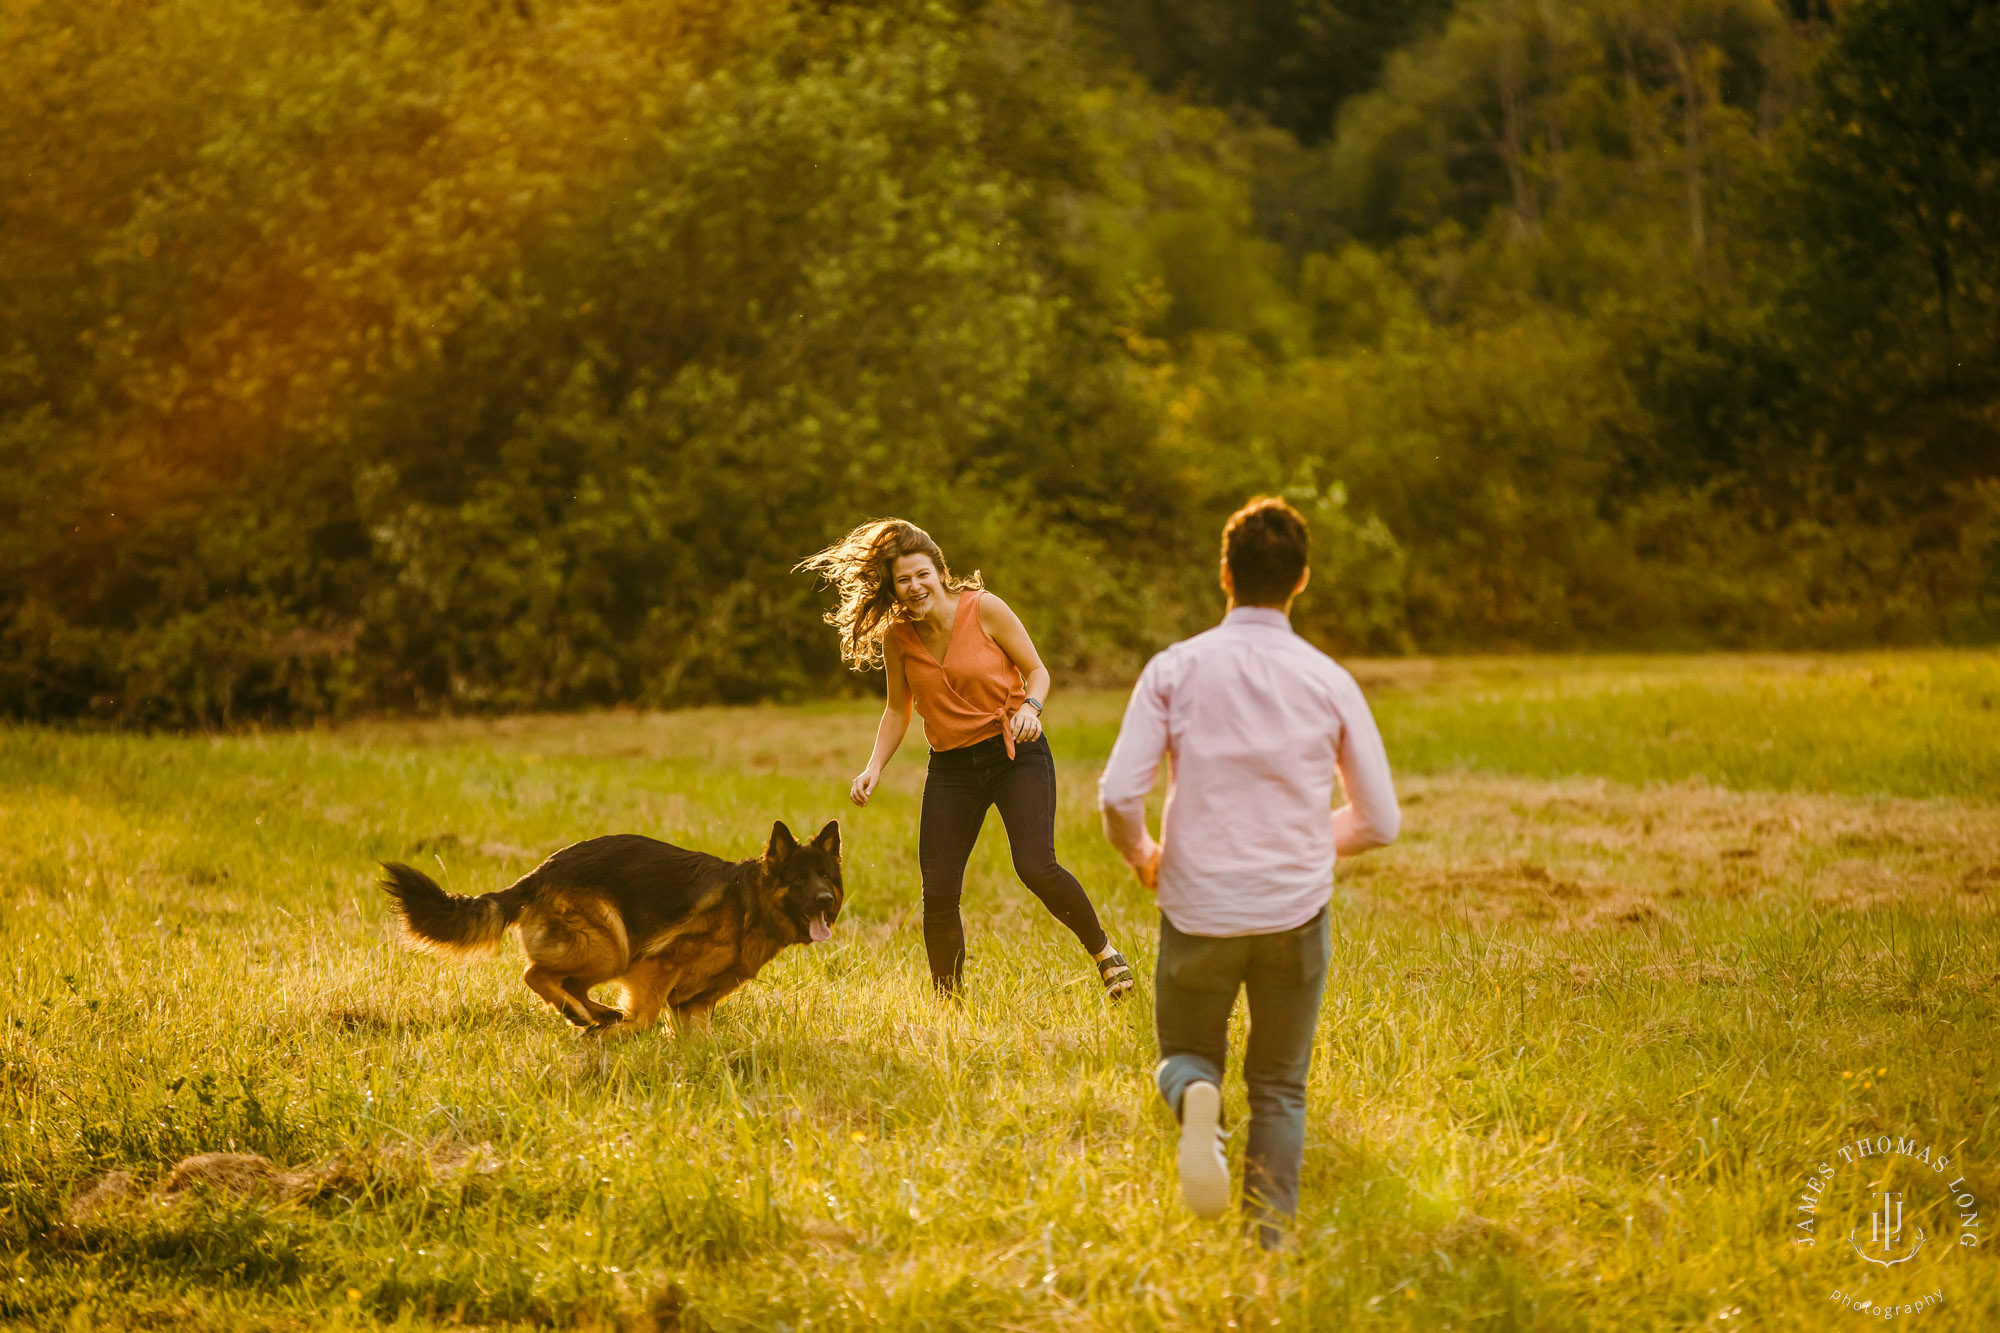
x: 1257, y: 722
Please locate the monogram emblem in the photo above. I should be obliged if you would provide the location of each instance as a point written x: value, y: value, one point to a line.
x: 1885, y: 1234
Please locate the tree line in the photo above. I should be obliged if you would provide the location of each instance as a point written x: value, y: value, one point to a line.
x: 363, y: 355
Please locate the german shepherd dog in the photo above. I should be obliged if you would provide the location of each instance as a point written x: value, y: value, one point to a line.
x: 680, y: 929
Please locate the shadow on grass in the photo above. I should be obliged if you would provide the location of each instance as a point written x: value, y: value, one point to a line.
x: 383, y: 1021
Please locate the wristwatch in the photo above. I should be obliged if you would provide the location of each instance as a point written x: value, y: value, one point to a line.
x: 1037, y: 703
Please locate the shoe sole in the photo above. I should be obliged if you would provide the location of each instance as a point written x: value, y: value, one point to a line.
x: 1204, y: 1175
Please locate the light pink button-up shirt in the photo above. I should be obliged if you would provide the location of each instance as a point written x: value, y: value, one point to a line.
x: 1257, y: 721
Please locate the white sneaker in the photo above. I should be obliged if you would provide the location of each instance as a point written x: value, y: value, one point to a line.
x: 1204, y: 1170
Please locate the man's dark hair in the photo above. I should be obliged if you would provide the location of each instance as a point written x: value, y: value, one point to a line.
x: 1265, y: 545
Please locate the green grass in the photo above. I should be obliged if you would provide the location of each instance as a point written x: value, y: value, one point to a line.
x: 1660, y: 934
x: 1904, y: 724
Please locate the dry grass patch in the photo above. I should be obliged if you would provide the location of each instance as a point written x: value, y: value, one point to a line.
x: 1589, y: 853
x: 251, y: 1174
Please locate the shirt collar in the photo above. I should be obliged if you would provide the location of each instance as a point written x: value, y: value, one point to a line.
x: 1270, y: 617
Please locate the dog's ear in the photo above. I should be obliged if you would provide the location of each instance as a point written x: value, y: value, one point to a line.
x: 782, y: 843
x: 828, y: 840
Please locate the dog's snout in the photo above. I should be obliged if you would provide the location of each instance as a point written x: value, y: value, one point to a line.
x: 825, y: 900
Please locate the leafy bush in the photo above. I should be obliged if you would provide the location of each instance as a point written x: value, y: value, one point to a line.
x: 438, y: 356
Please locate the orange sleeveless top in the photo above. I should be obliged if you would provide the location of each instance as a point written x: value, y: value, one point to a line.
x: 968, y: 697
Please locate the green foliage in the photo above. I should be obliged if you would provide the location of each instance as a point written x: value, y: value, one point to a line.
x: 1840, y: 397
x: 507, y: 356
x: 1606, y: 342
x: 528, y: 355
x: 1292, y: 61
x: 1902, y: 156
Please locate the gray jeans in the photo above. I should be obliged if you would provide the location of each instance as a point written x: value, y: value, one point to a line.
x: 1194, y: 989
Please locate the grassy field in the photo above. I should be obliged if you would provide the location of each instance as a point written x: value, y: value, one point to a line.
x: 1660, y: 935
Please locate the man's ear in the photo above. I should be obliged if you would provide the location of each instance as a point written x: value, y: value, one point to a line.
x: 1226, y: 579
x: 828, y: 839
x: 1305, y: 577
x: 782, y: 843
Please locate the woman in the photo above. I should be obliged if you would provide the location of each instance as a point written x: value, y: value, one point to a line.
x: 962, y: 659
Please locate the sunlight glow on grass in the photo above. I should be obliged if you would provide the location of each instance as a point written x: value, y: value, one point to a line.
x: 1588, y: 1021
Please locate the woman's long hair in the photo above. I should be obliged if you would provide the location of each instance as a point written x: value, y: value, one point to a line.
x: 861, y: 567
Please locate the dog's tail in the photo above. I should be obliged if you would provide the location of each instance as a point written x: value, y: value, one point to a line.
x: 447, y: 923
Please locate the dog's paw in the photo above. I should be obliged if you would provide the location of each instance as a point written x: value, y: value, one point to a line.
x: 610, y: 1018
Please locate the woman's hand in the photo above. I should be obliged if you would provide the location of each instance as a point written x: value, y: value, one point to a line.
x: 1026, y: 722
x: 864, y: 785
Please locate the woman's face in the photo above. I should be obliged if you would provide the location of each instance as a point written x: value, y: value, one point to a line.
x: 916, y: 584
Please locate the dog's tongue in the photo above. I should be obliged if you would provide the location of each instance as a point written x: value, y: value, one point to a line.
x: 818, y: 929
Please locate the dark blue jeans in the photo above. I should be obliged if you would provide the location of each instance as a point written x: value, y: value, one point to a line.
x: 958, y: 788
x: 1195, y: 985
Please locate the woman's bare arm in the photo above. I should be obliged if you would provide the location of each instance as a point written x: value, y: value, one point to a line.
x: 1005, y: 628
x: 894, y: 726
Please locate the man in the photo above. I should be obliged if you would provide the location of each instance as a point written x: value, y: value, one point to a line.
x: 1257, y: 722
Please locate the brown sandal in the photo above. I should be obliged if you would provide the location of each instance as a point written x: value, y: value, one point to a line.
x: 1117, y: 974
